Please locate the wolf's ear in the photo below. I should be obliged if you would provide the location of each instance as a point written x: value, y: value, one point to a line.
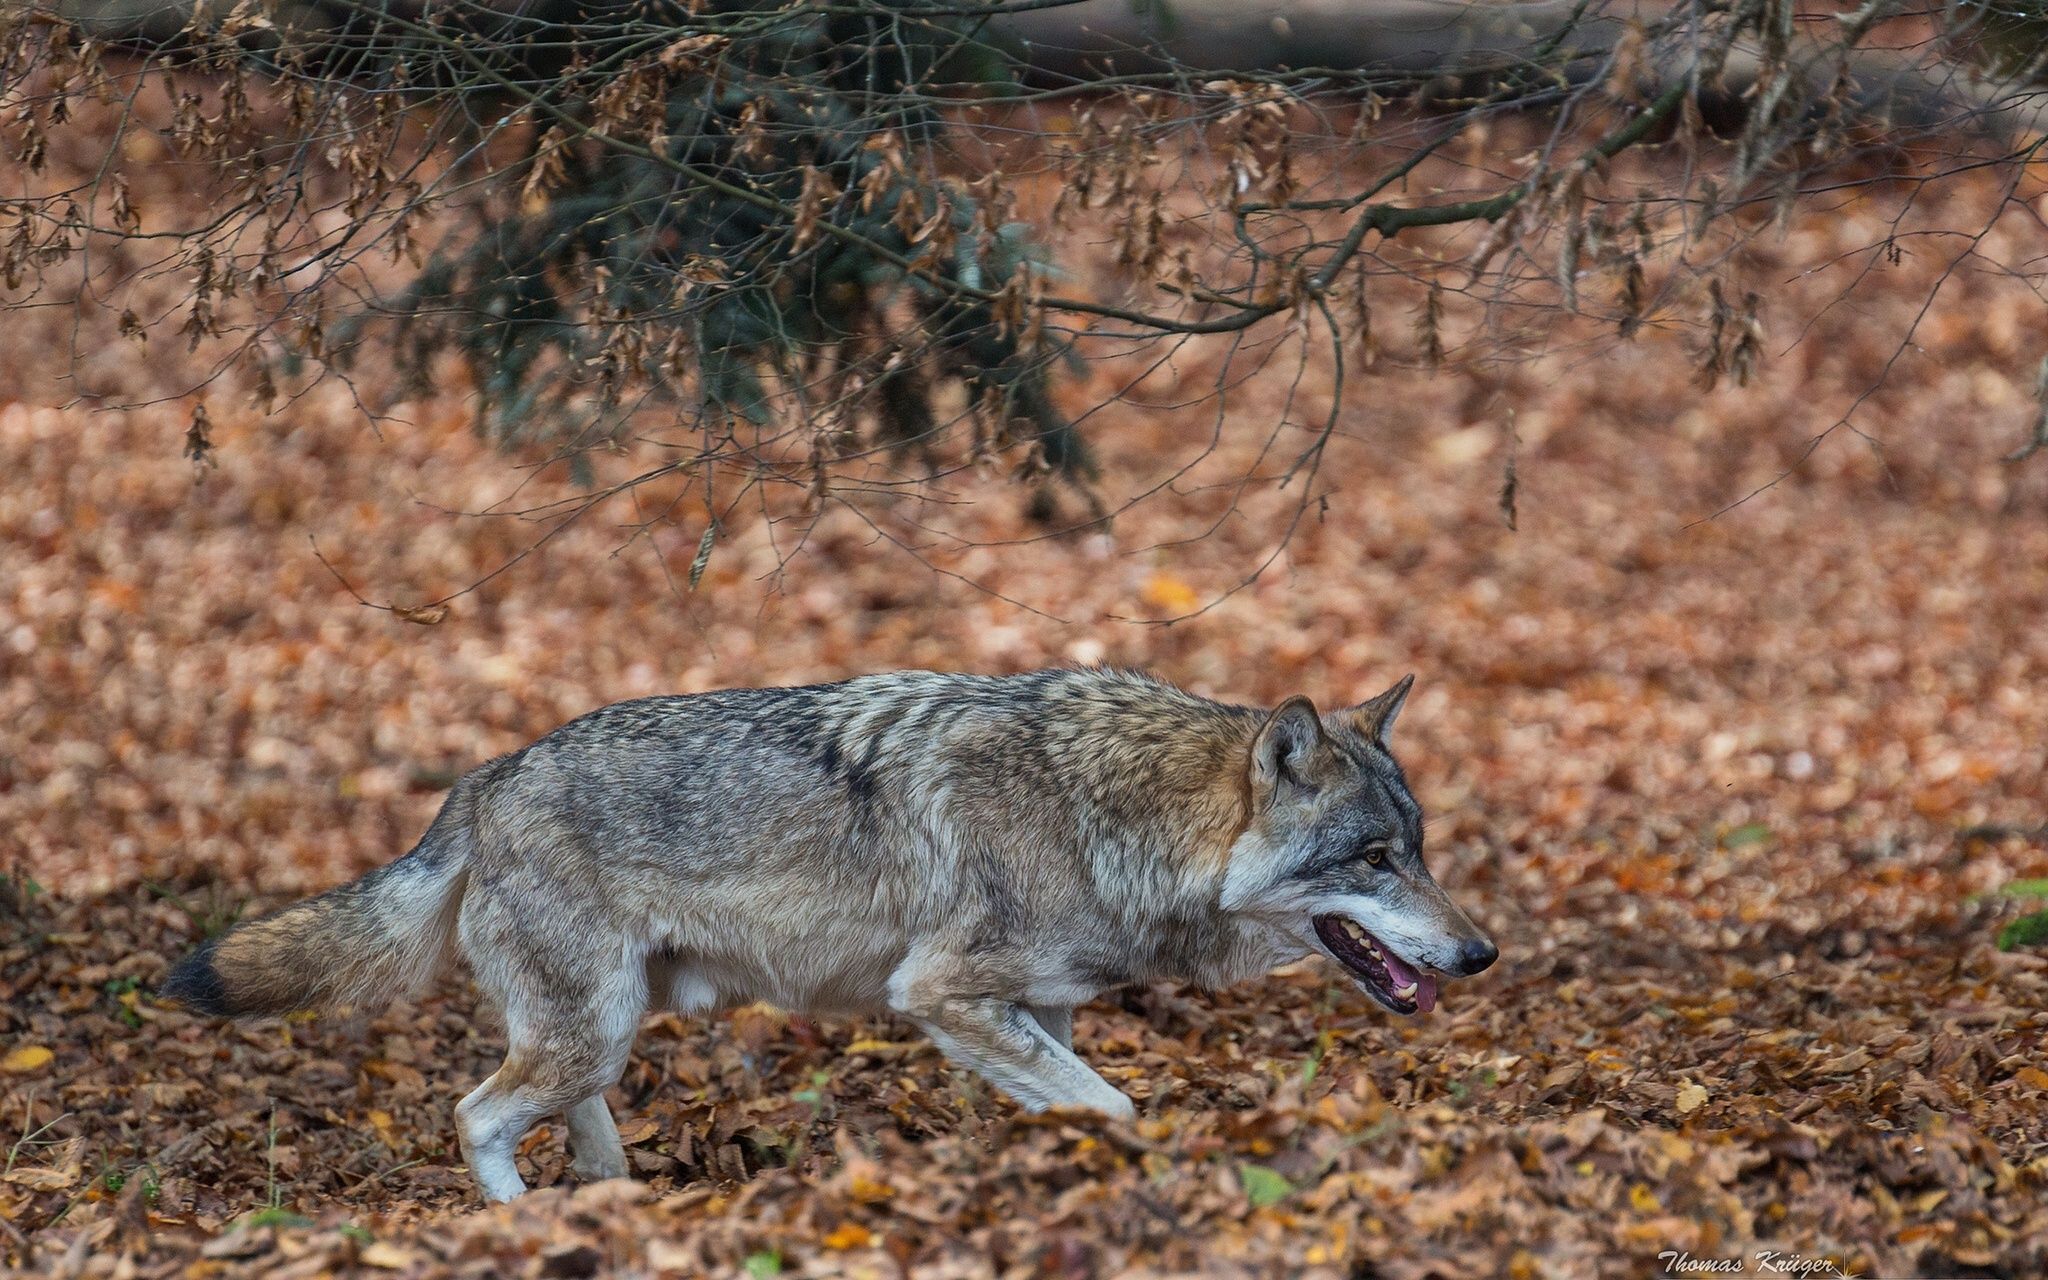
x: 1290, y: 745
x: 1374, y: 720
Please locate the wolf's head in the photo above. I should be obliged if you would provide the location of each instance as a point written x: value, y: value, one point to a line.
x: 1332, y: 858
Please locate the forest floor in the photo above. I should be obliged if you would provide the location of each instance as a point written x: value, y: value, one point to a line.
x: 1737, y: 797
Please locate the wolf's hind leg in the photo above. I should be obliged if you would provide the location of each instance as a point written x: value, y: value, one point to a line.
x: 567, y: 1069
x: 594, y: 1142
x: 1008, y: 1045
x: 572, y: 995
x: 490, y: 1123
x: 1057, y: 1021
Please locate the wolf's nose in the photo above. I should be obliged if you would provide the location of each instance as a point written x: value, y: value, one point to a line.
x: 1476, y: 954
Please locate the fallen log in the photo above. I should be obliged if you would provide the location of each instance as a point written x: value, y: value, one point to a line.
x: 1468, y: 45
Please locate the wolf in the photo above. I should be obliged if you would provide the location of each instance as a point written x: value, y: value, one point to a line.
x: 975, y: 854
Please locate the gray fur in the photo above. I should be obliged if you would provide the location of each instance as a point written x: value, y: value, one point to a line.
x: 976, y: 854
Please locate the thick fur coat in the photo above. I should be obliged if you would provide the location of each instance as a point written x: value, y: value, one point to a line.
x: 976, y: 854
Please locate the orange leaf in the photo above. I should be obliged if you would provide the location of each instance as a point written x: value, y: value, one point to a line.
x: 1169, y: 594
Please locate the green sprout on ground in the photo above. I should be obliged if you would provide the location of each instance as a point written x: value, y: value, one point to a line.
x: 2029, y: 930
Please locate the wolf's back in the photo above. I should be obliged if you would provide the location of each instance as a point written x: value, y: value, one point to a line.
x: 377, y: 937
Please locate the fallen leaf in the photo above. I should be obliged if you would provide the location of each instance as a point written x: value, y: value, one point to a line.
x: 869, y: 1190
x: 386, y: 1257
x: 1170, y: 595
x: 883, y: 1048
x: 26, y: 1058
x: 637, y: 1130
x: 40, y: 1179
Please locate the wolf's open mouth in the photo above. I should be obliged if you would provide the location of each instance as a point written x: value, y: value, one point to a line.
x: 1392, y: 981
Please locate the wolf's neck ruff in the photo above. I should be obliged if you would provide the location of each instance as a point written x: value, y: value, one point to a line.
x: 975, y: 854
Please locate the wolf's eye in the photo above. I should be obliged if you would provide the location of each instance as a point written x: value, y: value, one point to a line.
x: 1375, y: 854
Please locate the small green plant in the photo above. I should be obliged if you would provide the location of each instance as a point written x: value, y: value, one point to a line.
x: 2029, y: 930
x: 274, y: 1217
x: 762, y: 1264
x: 1262, y: 1186
x: 1743, y: 836
x: 118, y: 987
x: 816, y: 1097
x: 212, y: 917
x: 1316, y: 1054
x: 21, y: 890
x: 114, y: 1181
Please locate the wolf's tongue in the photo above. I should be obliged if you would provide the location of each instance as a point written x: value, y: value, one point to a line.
x: 1403, y: 975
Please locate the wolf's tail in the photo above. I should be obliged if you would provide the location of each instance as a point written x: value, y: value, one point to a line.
x: 378, y: 937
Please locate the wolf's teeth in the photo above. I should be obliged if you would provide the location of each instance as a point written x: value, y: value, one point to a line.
x: 1351, y: 927
x: 1407, y: 992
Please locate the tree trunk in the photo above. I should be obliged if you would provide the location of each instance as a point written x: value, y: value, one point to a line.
x: 1086, y: 41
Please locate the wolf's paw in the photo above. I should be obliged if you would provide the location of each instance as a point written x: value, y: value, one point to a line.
x: 1107, y: 1103
x: 599, y: 1169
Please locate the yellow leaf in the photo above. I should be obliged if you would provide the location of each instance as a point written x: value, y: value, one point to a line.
x: 29, y: 1057
x: 1691, y: 1097
x: 1644, y: 1200
x: 869, y: 1190
x: 1674, y: 1148
x: 1170, y: 594
x: 850, y: 1235
x: 869, y: 1045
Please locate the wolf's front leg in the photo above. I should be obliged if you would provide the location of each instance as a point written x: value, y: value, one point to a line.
x: 1015, y: 1051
